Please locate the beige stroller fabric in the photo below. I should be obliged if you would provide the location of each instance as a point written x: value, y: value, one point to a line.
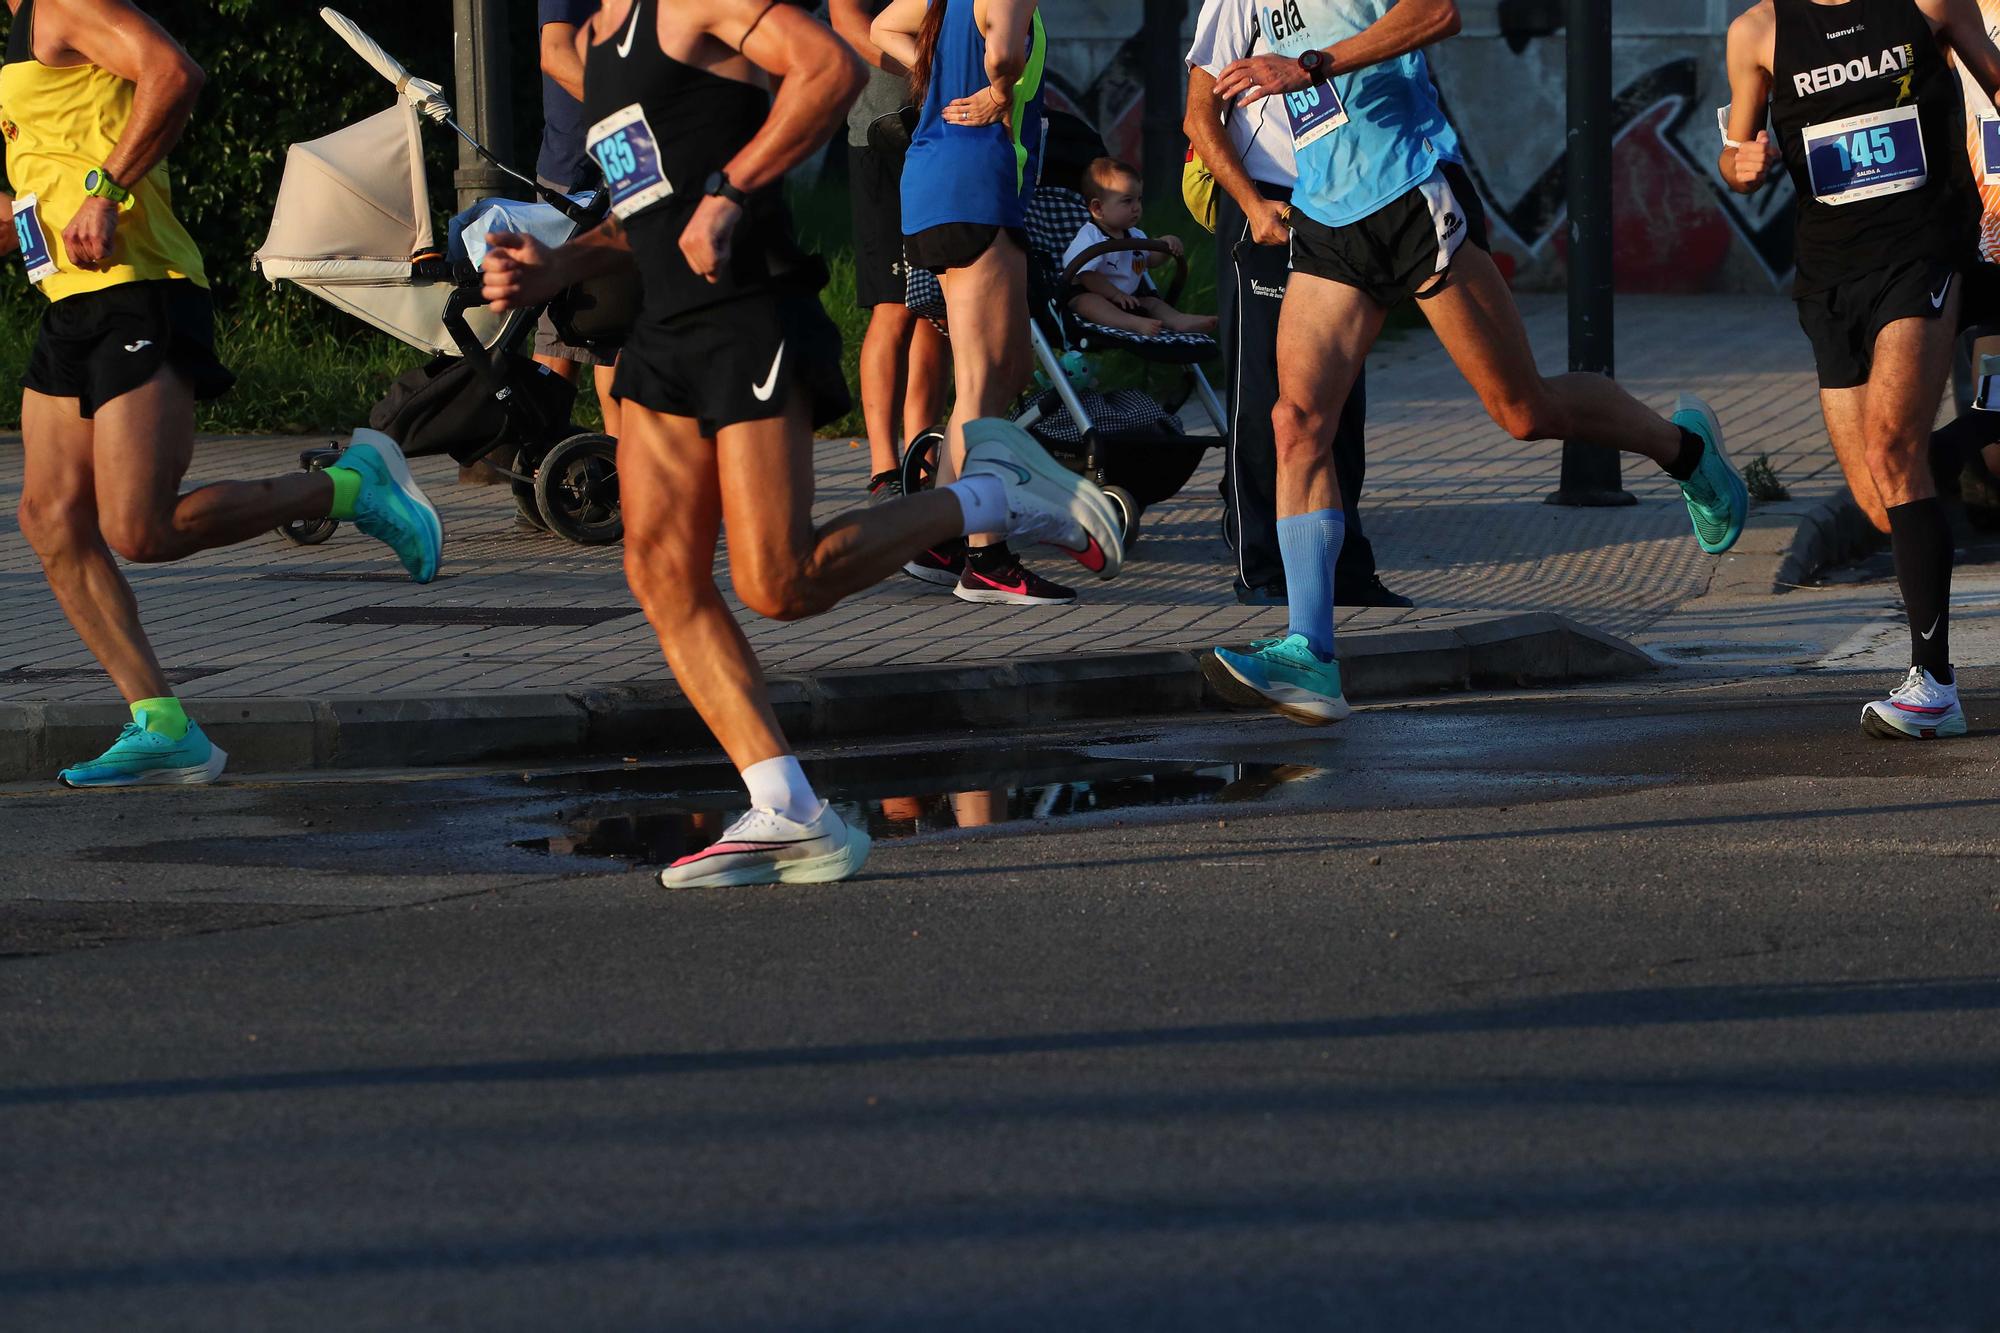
x: 353, y: 209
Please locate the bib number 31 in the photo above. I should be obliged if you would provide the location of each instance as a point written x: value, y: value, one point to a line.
x: 629, y: 156
x: 33, y: 240
x: 1865, y: 157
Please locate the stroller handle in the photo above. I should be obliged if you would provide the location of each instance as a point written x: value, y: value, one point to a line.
x: 426, y: 96
x: 1109, y: 247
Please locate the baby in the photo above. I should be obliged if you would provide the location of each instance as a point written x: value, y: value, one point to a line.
x: 1108, y: 286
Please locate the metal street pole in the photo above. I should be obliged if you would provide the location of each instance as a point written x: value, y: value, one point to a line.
x: 1590, y: 474
x: 479, y: 57
x: 1166, y: 86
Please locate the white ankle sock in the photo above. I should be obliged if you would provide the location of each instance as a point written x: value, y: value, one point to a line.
x: 780, y: 784
x: 984, y: 500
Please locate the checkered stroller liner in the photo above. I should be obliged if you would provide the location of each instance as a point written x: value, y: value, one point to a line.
x: 1141, y: 445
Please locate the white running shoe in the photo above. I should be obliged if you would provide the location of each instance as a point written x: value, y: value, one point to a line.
x: 1919, y: 709
x: 1047, y: 504
x: 764, y: 847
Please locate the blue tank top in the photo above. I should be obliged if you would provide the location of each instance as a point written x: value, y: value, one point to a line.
x: 966, y: 173
x: 1395, y: 134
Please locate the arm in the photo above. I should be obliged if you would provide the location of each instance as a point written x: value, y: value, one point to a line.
x: 894, y: 33
x: 520, y: 271
x: 112, y: 35
x: 851, y: 21
x: 1217, y: 151
x: 1410, y: 25
x: 1745, y: 169
x: 1963, y: 28
x: 1006, y: 25
x: 562, y: 57
x: 9, y: 241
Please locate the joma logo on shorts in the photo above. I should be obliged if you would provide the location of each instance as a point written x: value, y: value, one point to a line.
x: 1894, y: 60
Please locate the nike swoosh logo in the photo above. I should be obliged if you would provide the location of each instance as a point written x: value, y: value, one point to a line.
x: 139, y: 346
x: 1022, y: 474
x: 1019, y: 590
x: 1926, y: 635
x: 1937, y: 298
x: 631, y: 31
x: 770, y: 384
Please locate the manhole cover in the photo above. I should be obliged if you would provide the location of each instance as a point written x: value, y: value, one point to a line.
x: 477, y: 615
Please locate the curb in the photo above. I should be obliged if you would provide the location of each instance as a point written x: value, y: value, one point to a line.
x: 1787, y: 542
x: 288, y: 735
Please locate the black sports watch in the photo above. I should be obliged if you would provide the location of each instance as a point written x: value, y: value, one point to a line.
x: 718, y: 183
x: 1314, y: 63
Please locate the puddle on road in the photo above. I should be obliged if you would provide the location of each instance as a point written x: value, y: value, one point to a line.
x: 666, y: 829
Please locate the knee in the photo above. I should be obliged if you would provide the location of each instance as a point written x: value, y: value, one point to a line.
x: 143, y: 539
x: 776, y: 595
x: 664, y: 577
x: 1893, y: 447
x: 1299, y: 432
x: 1526, y: 416
x: 49, y: 526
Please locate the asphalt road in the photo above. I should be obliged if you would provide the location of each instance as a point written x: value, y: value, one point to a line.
x: 1665, y: 1006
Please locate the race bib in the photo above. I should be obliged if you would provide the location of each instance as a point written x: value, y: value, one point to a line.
x: 1865, y: 157
x: 1989, y: 150
x: 1314, y: 112
x: 34, y: 242
x: 626, y: 152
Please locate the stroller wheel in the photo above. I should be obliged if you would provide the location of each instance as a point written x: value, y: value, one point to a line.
x: 527, y: 506
x: 920, y: 461
x: 1128, y: 509
x: 308, y: 531
x: 577, y: 489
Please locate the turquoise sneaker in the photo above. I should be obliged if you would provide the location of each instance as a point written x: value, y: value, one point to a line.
x: 392, y: 508
x: 1282, y: 674
x: 1717, y: 500
x: 142, y: 758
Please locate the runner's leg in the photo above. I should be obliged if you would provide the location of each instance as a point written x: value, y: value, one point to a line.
x: 609, y: 407
x: 1845, y: 411
x: 1912, y: 361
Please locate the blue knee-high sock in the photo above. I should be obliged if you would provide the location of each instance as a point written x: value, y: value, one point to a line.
x: 1309, y: 544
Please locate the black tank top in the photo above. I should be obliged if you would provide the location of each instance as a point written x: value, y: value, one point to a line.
x: 1871, y: 125
x: 658, y: 129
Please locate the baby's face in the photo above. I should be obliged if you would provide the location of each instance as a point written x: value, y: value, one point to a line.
x: 1118, y: 208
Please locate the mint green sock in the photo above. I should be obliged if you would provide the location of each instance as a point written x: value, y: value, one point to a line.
x: 165, y: 716
x: 346, y: 490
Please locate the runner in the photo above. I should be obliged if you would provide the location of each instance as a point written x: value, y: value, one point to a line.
x: 1383, y: 211
x: 1868, y: 119
x: 93, y: 95
x: 731, y: 364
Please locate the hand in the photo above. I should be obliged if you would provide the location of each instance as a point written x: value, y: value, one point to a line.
x: 706, y: 239
x: 1125, y: 300
x: 1269, y: 222
x: 1754, y: 161
x: 1253, y: 77
x: 88, y: 238
x: 518, y: 272
x: 985, y: 107
x: 1174, y: 247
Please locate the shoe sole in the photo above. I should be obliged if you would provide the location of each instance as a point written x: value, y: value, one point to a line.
x: 392, y: 458
x: 1308, y: 710
x: 193, y: 775
x: 937, y: 578
x: 1069, y: 488
x: 997, y: 597
x: 1688, y: 402
x: 827, y: 869
x: 1882, y: 729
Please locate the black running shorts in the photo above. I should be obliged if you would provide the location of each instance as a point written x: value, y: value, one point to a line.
x: 738, y: 361
x: 1842, y: 321
x: 1401, y: 247
x: 881, y: 277
x: 953, y: 245
x: 97, y: 346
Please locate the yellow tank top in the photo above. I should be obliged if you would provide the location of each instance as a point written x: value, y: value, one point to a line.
x: 59, y: 123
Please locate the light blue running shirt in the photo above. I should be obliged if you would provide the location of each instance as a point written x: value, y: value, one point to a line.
x: 1395, y: 134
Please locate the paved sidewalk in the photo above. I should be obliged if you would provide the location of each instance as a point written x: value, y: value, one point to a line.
x: 1454, y: 508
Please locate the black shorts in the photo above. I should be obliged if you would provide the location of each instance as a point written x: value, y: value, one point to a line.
x: 738, y: 361
x: 881, y: 277
x: 955, y: 244
x: 1842, y: 321
x: 97, y: 346
x: 1399, y: 248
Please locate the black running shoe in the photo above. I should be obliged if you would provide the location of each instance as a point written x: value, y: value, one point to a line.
x: 885, y: 486
x: 1371, y: 593
x: 941, y: 565
x: 1004, y: 582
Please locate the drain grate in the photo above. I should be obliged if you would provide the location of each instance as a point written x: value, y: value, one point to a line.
x: 530, y: 616
x: 60, y: 675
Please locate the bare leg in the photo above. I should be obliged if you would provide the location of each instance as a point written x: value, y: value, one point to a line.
x: 1324, y: 332
x: 884, y: 382
x: 1178, y: 320
x: 1475, y: 318
x: 608, y: 407
x: 1845, y: 412
x: 1102, y: 310
x: 986, y: 305
x: 564, y: 368
x: 928, y: 379
x: 1912, y: 360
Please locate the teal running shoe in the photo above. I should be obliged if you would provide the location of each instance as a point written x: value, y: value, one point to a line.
x: 1717, y: 500
x: 142, y: 758
x: 1281, y: 674
x: 392, y: 508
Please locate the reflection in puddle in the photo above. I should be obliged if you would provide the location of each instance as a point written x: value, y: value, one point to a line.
x: 662, y: 830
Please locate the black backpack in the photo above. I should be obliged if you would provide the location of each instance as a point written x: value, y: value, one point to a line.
x: 448, y: 406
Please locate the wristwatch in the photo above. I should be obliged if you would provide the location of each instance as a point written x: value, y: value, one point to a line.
x: 718, y: 183
x: 1314, y: 63
x: 97, y: 183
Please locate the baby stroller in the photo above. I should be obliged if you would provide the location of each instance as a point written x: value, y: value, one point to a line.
x: 1131, y: 445
x: 352, y: 226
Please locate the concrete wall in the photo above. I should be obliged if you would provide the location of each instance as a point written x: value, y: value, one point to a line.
x: 1678, y: 228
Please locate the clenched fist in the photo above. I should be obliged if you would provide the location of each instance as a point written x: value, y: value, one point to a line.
x: 1755, y: 160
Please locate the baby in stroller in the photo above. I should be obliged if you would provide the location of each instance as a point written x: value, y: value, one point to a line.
x: 1109, y: 277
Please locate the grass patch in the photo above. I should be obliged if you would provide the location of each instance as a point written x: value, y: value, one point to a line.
x: 1761, y: 480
